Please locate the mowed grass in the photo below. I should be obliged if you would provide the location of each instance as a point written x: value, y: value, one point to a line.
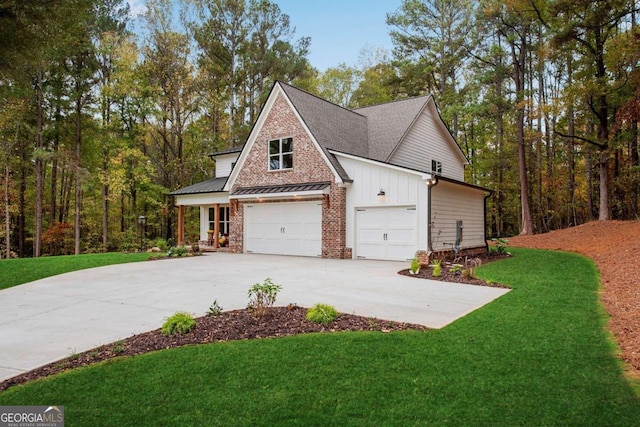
x: 15, y: 272
x: 537, y: 356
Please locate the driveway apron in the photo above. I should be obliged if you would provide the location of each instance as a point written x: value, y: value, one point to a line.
x: 52, y: 318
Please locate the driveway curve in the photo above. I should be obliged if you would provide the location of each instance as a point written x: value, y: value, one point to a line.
x: 52, y: 318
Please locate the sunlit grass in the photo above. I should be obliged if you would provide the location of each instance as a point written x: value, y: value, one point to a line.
x: 18, y: 271
x: 538, y: 355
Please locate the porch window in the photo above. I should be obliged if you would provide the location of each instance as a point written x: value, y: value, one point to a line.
x: 280, y: 154
x: 224, y: 219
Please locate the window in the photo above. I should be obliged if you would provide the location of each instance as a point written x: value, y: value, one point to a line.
x: 224, y: 219
x: 280, y: 154
x: 436, y: 167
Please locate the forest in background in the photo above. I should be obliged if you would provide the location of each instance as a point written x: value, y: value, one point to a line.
x: 98, y: 124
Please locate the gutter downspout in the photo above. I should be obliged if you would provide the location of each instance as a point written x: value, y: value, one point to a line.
x: 432, y: 182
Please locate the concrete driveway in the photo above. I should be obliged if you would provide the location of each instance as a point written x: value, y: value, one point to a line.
x: 49, y: 319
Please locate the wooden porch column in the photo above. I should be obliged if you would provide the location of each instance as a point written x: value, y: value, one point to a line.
x: 216, y: 226
x: 180, y: 225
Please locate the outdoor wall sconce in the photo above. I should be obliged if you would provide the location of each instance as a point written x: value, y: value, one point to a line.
x: 382, y: 197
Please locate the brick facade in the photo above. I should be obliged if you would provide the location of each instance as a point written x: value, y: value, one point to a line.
x: 308, y: 166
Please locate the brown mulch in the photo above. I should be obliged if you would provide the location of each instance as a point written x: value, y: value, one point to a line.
x: 230, y: 325
x: 615, y: 248
x: 457, y: 275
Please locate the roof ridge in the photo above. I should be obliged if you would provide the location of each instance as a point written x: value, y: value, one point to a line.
x: 319, y: 98
x: 411, y: 98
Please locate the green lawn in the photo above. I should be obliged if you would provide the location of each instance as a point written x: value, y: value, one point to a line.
x: 536, y: 356
x: 15, y: 272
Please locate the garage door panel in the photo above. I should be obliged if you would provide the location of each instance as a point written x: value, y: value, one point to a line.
x: 386, y: 233
x: 284, y: 228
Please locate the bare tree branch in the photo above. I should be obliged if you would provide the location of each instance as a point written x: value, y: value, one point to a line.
x: 590, y: 141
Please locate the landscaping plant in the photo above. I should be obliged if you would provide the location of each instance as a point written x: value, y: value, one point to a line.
x: 262, y: 296
x: 501, y: 246
x: 215, y: 309
x: 415, y: 265
x: 180, y: 323
x: 437, y: 268
x: 322, y: 313
x: 177, y: 251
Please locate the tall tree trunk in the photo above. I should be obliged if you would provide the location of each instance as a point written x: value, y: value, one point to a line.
x: 7, y: 210
x: 78, y: 189
x: 635, y: 169
x: 22, y: 202
x: 37, y: 238
x: 571, y: 182
x: 54, y: 166
x: 519, y: 65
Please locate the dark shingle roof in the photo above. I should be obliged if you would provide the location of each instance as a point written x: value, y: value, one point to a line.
x: 228, y: 151
x: 387, y: 124
x: 213, y: 185
x: 332, y: 126
x: 287, y: 188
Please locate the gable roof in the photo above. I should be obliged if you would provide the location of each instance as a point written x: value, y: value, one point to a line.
x: 389, y: 122
x: 373, y: 132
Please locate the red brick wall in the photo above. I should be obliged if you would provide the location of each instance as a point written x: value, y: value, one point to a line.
x: 308, y: 166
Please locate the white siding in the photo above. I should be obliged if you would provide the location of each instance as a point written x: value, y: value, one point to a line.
x: 202, y: 199
x: 224, y: 163
x: 429, y: 140
x: 401, y: 189
x: 451, y: 202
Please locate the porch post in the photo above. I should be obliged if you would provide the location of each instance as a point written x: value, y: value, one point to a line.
x: 216, y: 226
x: 180, y: 225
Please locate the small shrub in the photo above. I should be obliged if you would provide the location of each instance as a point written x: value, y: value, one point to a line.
x: 501, y: 246
x: 215, y: 309
x: 161, y: 244
x: 118, y: 347
x: 456, y: 269
x: 177, y: 251
x: 437, y: 268
x: 468, y: 273
x: 262, y: 296
x: 180, y: 323
x: 322, y: 313
x: 415, y: 265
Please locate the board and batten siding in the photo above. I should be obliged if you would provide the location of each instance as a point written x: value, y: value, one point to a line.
x: 428, y: 139
x: 402, y: 188
x: 451, y: 202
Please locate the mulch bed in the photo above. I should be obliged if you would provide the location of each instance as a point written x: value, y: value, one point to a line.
x: 230, y: 325
x: 456, y: 275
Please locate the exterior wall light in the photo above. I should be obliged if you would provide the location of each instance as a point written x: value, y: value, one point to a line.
x: 382, y: 197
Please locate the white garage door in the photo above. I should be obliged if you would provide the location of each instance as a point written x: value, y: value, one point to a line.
x: 386, y: 233
x: 284, y: 228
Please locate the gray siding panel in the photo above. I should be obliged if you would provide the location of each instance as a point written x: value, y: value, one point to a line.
x: 427, y: 141
x: 451, y: 202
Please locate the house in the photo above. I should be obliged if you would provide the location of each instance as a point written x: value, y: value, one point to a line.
x: 383, y: 182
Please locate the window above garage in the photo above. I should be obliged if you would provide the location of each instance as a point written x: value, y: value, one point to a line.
x: 280, y: 154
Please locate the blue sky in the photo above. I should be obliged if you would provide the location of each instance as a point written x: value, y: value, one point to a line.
x: 339, y: 29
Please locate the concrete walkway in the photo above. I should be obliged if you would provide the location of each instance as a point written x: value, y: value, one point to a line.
x: 49, y: 319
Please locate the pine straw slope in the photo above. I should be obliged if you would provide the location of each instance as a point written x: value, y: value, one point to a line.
x: 615, y: 248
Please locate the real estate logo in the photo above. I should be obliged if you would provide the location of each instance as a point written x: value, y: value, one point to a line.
x: 31, y: 416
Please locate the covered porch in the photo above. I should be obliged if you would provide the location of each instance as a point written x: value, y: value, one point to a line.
x: 212, y: 232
